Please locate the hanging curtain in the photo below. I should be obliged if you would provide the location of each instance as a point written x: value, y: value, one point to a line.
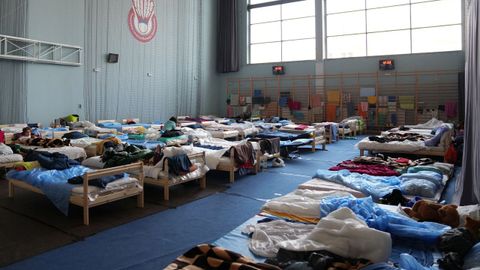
x: 13, y: 102
x: 152, y: 80
x: 227, y: 37
x: 467, y: 190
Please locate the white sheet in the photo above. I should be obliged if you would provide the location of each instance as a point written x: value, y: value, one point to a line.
x: 84, y: 142
x: 10, y: 158
x: 119, y: 184
x: 322, y: 185
x: 405, y: 146
x: 344, y: 234
x: 301, y: 202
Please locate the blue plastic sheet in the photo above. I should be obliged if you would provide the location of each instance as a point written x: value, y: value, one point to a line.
x: 53, y: 183
x: 472, y: 259
x: 422, y: 183
x: 375, y: 186
x: 387, y: 221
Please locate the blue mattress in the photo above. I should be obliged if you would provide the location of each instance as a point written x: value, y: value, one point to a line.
x: 284, y: 136
x: 112, y: 125
x: 138, y: 125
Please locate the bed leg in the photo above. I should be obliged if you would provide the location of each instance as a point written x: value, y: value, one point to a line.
x: 232, y: 176
x: 141, y: 200
x: 362, y: 152
x: 166, y: 192
x: 203, y: 182
x: 313, y: 146
x: 11, y: 189
x: 86, y: 215
x: 323, y: 147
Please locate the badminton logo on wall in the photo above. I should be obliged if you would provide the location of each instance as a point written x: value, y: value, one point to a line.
x: 142, y: 20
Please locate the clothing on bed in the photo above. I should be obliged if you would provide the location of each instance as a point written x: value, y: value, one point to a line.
x: 206, y: 256
x: 244, y: 154
x: 74, y: 135
x: 269, y: 145
x: 180, y: 164
x: 371, y: 169
x: 322, y: 260
x: 398, y: 137
x: 51, y: 161
x: 123, y: 154
x: 99, y: 182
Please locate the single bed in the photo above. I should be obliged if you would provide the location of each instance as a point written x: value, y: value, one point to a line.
x: 317, y: 133
x: 159, y: 174
x: 407, y: 147
x: 87, y: 196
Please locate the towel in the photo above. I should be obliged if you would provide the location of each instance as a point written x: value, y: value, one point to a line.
x: 333, y: 97
x: 407, y: 102
x: 331, y: 112
x: 451, y: 109
x: 372, y: 100
x: 315, y: 101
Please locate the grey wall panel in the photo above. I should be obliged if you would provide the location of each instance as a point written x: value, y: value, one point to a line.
x: 13, y: 15
x: 152, y: 80
x: 55, y: 91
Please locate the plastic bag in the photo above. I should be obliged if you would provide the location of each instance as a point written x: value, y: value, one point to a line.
x: 408, y: 262
x: 472, y: 259
x: 384, y: 220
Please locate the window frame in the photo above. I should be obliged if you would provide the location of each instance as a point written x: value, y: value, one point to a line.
x: 281, y: 20
x: 410, y: 28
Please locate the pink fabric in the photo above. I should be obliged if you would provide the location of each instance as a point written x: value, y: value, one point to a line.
x: 371, y: 169
x: 451, y: 109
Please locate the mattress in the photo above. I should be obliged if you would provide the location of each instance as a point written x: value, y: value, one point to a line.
x: 10, y: 158
x: 395, y: 146
x: 158, y: 173
x: 84, y: 142
x: 222, y: 134
x: 322, y: 185
x: 94, y: 192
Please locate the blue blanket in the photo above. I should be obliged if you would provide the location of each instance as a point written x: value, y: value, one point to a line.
x: 422, y: 183
x: 284, y: 136
x: 53, y: 183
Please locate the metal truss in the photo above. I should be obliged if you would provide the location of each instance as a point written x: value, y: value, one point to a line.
x: 24, y: 49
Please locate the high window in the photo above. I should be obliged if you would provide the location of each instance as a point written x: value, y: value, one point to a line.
x: 281, y: 30
x: 355, y: 28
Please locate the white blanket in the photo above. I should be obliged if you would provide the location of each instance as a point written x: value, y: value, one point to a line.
x: 342, y: 233
x: 301, y: 202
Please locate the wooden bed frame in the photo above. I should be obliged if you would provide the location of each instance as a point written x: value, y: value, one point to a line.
x: 166, y: 183
x: 231, y: 168
x: 83, y: 201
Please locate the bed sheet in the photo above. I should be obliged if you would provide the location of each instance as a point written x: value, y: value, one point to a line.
x: 223, y: 133
x: 10, y: 158
x: 395, y: 146
x: 84, y: 142
x: 72, y: 152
